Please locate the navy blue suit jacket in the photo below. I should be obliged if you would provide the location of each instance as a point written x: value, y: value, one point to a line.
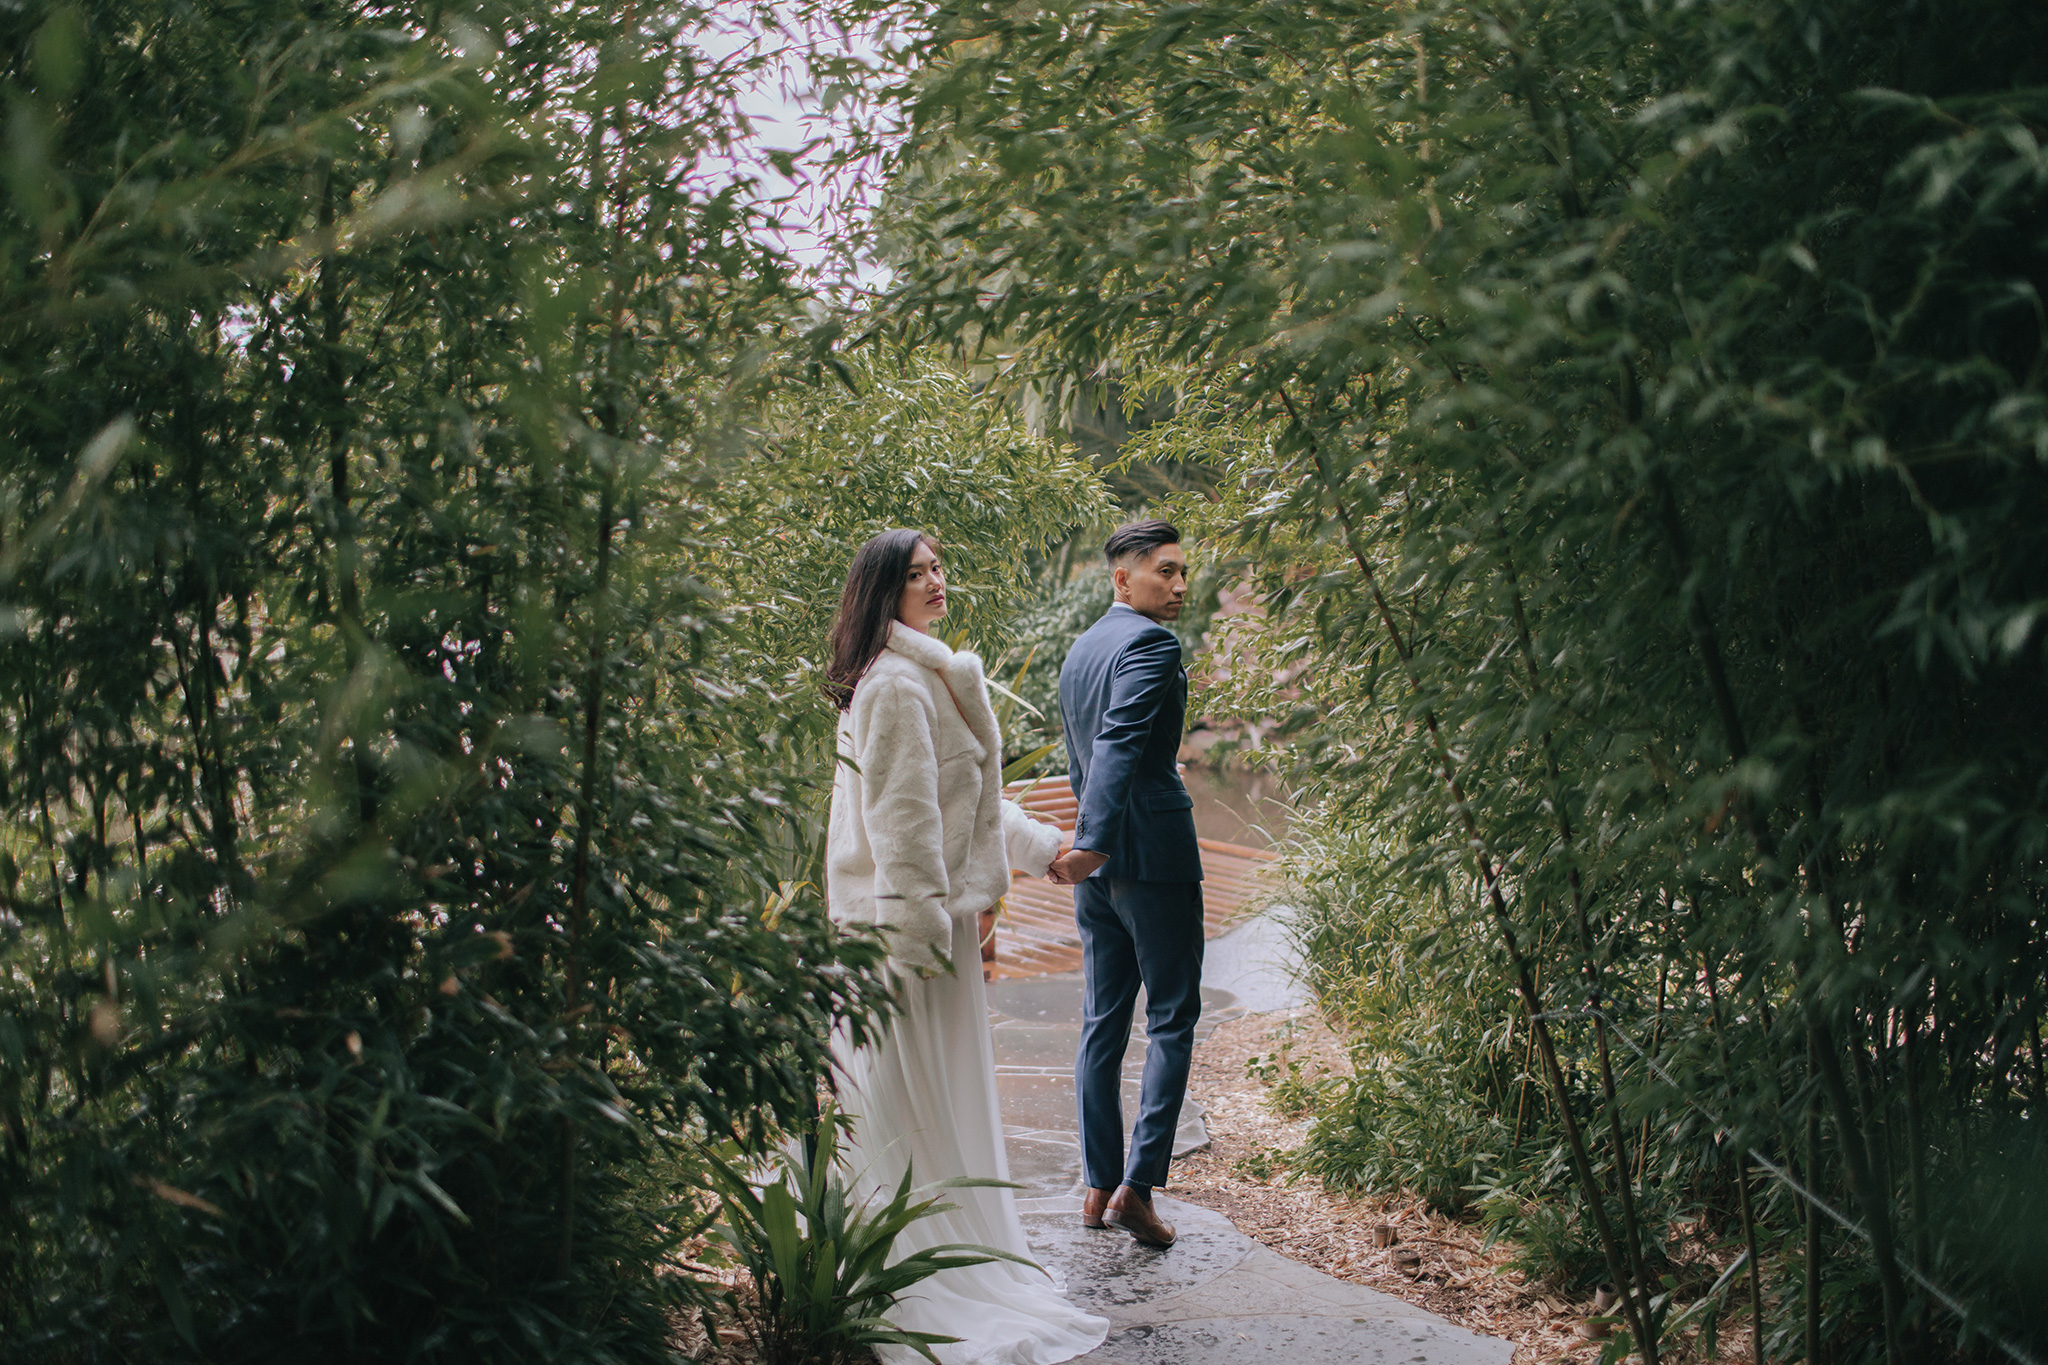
x: 1124, y: 698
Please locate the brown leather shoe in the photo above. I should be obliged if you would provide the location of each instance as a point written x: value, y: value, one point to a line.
x: 1092, y: 1205
x: 1132, y: 1212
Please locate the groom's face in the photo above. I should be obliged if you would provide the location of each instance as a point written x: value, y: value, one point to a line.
x: 1155, y: 583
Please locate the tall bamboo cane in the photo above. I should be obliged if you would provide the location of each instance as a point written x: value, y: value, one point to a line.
x: 1636, y: 1300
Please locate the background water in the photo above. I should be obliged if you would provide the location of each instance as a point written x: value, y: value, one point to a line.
x: 1238, y: 807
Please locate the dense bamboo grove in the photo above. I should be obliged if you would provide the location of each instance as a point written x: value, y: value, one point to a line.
x: 1633, y: 414
x: 403, y: 847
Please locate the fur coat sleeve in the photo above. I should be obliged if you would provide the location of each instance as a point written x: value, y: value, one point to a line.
x: 1032, y: 844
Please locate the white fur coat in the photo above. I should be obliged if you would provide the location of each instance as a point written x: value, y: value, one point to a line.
x: 920, y: 832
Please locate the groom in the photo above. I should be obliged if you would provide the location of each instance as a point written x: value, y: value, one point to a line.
x: 1136, y: 873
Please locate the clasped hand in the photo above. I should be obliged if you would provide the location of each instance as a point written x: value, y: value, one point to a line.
x: 1072, y: 867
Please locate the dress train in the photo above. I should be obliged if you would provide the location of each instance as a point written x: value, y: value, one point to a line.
x: 925, y: 1093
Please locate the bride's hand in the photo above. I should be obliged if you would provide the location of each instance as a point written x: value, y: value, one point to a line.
x: 1074, y: 866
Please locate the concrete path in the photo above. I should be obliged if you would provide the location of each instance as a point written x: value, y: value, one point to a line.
x: 1217, y: 1297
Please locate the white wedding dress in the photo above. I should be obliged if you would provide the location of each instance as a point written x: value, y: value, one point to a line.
x: 926, y: 1094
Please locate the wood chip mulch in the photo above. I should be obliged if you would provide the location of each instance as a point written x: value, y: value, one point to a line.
x: 1243, y: 1175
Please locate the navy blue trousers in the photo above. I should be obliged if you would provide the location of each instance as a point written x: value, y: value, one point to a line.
x: 1134, y: 933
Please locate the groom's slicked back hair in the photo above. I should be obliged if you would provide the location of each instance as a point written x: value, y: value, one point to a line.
x: 1139, y: 538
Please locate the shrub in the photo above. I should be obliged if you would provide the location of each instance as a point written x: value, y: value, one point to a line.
x: 822, y: 1264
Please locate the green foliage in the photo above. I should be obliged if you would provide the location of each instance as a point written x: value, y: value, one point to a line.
x: 1632, y: 418
x: 1040, y: 637
x: 1262, y: 1163
x: 1552, y: 1245
x: 1403, y: 1126
x: 1291, y: 1092
x: 1436, y: 1076
x: 820, y: 1260
x: 902, y: 440
x: 393, y: 825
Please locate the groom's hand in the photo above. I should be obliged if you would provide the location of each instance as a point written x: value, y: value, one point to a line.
x: 1072, y: 867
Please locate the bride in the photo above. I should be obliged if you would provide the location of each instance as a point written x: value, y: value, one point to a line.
x: 921, y: 840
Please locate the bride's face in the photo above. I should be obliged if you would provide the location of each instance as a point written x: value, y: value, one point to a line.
x: 924, y: 592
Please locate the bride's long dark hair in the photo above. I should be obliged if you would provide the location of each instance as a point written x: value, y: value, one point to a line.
x: 874, y: 586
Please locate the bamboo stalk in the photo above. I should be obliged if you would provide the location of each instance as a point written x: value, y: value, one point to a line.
x: 1916, y: 1139
x: 1635, y: 1300
x: 1812, y: 1267
x: 348, y: 594
x: 1656, y: 1042
x: 1756, y: 1291
x: 579, y: 881
x: 1855, y: 1156
x: 609, y: 419
x: 1631, y: 1223
x: 1876, y: 1122
x: 1522, y: 1089
x: 1862, y: 1182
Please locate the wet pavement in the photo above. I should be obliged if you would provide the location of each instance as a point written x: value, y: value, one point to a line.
x: 1216, y: 1297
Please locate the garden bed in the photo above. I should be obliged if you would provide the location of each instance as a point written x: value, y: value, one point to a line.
x: 1243, y: 1174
